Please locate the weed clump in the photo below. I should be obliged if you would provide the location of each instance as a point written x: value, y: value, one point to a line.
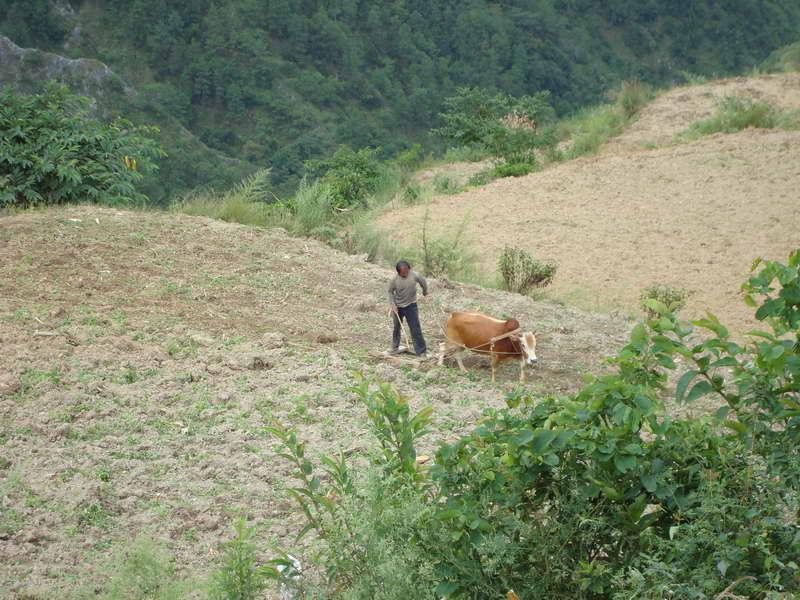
x: 522, y: 273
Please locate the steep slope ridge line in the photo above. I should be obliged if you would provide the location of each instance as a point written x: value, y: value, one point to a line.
x: 144, y: 352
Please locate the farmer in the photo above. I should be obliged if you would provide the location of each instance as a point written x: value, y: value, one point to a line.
x: 403, y: 305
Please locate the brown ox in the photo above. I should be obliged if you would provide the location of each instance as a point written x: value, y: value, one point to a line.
x: 501, y: 340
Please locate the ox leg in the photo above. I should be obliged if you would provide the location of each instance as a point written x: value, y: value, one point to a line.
x: 495, y: 360
x: 460, y: 363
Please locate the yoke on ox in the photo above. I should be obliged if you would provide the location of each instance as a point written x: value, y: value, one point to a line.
x: 501, y: 340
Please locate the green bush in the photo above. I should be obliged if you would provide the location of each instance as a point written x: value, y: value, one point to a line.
x: 522, y: 273
x: 671, y: 297
x: 597, y: 495
x: 412, y: 194
x: 507, y: 127
x: 239, y: 577
x: 351, y: 175
x: 53, y: 152
x: 514, y: 169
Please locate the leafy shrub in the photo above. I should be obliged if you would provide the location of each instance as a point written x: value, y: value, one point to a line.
x: 514, y: 169
x: 521, y: 272
x: 53, y: 152
x: 411, y: 158
x: 239, y: 577
x: 672, y: 298
x: 507, y: 127
x: 598, y: 495
x: 370, y: 533
x: 350, y: 175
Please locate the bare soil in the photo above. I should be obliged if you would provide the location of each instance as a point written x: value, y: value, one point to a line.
x: 691, y: 215
x: 143, y: 353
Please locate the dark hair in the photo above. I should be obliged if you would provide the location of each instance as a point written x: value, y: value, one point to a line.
x: 401, y: 263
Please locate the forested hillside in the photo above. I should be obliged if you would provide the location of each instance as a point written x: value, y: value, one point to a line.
x: 275, y: 83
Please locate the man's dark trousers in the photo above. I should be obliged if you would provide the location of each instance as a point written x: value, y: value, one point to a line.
x: 411, y: 314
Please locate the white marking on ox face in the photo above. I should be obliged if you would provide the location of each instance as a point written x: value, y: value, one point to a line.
x: 528, y: 342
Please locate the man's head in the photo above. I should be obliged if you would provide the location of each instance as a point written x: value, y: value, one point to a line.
x: 403, y: 268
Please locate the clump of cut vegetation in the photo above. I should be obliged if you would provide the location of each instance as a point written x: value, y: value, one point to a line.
x: 597, y: 495
x: 522, y: 273
x: 671, y: 297
x: 736, y: 113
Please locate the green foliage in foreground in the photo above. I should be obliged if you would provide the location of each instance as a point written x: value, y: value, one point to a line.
x: 53, y: 152
x: 598, y: 495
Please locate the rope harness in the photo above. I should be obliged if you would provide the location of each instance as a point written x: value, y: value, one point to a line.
x: 491, y: 343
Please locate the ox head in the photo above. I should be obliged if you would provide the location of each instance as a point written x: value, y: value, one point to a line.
x: 528, y: 342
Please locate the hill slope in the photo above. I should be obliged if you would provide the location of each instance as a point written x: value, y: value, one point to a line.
x: 144, y: 352
x: 277, y: 83
x: 691, y: 215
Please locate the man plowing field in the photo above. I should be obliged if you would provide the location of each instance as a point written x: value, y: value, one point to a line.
x: 403, y: 305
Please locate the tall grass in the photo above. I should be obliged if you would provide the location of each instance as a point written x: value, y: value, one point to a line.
x: 248, y: 203
x: 734, y: 113
x: 592, y: 127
